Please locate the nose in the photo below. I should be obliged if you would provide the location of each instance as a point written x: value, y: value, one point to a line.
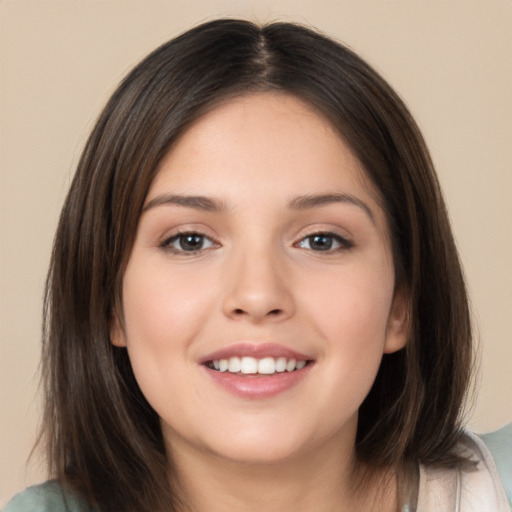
x: 258, y: 289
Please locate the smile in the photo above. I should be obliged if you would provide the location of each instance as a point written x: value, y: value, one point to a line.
x: 257, y: 371
x: 251, y: 366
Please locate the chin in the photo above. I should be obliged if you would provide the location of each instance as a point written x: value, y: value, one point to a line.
x: 251, y: 445
x: 259, y: 452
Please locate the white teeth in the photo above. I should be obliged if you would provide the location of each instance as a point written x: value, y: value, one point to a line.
x: 290, y: 365
x: 234, y: 365
x: 300, y: 365
x: 251, y: 365
x: 280, y: 364
x: 267, y: 366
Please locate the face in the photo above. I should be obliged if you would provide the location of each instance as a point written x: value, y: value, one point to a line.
x: 259, y: 295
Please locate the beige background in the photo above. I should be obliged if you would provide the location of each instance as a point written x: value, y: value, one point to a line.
x: 450, y: 60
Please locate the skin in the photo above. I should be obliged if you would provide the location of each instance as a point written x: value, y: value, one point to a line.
x: 257, y: 278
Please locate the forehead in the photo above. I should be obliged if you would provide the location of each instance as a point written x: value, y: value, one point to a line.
x: 270, y: 136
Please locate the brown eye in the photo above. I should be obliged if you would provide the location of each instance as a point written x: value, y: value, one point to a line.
x: 324, y: 242
x: 188, y: 242
x: 192, y: 242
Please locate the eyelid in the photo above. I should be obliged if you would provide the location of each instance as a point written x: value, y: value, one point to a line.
x: 344, y: 242
x: 165, y: 243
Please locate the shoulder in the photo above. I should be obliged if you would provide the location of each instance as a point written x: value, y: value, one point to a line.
x: 499, y: 444
x: 47, y: 497
x: 475, y: 488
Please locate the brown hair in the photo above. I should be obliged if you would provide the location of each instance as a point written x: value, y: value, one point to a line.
x: 102, y: 436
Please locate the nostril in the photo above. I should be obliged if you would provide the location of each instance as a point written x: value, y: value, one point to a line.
x: 272, y: 312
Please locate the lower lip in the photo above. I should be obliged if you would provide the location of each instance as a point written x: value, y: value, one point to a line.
x: 256, y: 387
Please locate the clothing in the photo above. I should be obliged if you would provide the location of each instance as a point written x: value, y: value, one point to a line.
x: 47, y: 497
x: 477, y: 489
x: 500, y: 445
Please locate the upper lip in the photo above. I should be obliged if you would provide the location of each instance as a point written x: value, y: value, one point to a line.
x: 256, y: 350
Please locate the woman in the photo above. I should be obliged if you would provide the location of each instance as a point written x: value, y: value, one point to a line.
x: 255, y: 301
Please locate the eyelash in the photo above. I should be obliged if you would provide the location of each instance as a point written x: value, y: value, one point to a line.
x: 343, y: 243
x: 179, y: 237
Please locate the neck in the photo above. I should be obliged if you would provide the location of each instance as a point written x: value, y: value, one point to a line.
x: 327, y: 480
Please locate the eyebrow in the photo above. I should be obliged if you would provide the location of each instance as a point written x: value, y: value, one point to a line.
x: 303, y: 202
x: 308, y: 201
x: 197, y: 202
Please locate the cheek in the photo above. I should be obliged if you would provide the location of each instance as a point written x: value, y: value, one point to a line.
x: 163, y: 312
x: 162, y: 306
x: 350, y: 310
x: 352, y: 303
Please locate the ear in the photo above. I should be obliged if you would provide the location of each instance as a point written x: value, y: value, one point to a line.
x: 397, y: 331
x: 117, y: 335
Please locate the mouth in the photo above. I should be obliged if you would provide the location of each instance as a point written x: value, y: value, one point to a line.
x: 257, y: 371
x: 248, y: 365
